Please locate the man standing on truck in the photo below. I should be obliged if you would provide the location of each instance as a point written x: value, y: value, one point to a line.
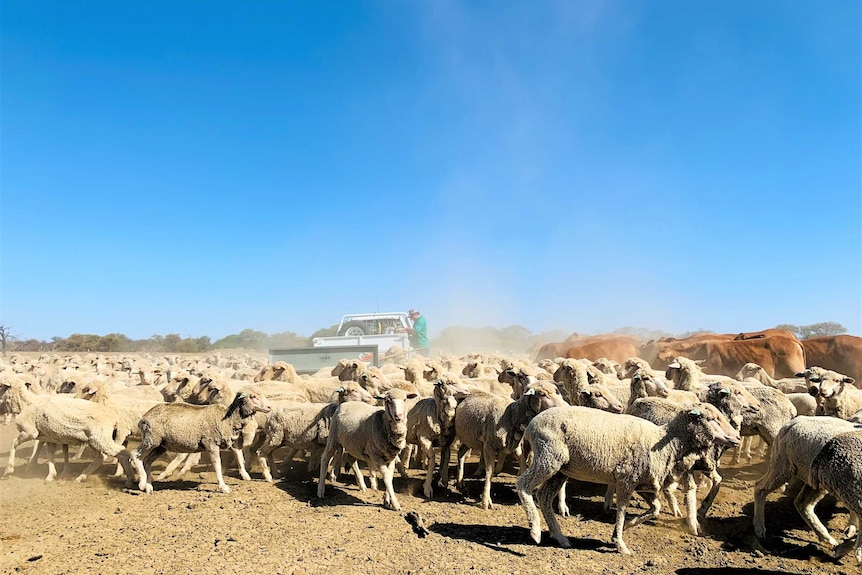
x: 419, y: 333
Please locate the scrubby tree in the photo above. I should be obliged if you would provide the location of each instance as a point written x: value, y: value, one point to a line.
x: 5, y: 336
x: 821, y: 329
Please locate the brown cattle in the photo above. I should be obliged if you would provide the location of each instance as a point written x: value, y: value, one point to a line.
x: 841, y: 353
x: 619, y: 350
x: 579, y: 339
x: 552, y: 350
x: 650, y: 350
x: 778, y: 355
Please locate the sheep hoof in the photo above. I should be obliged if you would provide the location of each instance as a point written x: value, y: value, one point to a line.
x: 148, y: 488
x: 428, y: 492
x: 80, y: 478
x: 536, y: 535
x: 564, y: 509
x: 623, y: 549
x: 224, y: 488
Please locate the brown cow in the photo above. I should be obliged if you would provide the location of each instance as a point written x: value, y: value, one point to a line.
x: 552, y: 350
x: 652, y: 348
x: 619, y: 350
x: 778, y: 355
x: 841, y: 353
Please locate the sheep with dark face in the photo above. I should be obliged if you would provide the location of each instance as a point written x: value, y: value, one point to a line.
x: 798, y: 451
x: 371, y: 434
x: 186, y: 428
x: 631, y: 453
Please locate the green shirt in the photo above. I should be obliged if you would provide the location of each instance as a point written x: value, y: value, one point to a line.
x: 419, y: 337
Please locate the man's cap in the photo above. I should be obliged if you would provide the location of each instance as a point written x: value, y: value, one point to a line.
x: 412, y: 311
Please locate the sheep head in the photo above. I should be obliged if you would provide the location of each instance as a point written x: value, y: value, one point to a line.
x: 394, y: 406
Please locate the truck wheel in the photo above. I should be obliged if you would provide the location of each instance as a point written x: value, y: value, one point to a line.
x: 354, y: 328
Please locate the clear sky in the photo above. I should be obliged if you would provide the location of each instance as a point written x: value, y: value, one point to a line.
x: 203, y: 167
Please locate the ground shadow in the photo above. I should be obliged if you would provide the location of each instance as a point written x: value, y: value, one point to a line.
x: 496, y: 537
x: 729, y: 571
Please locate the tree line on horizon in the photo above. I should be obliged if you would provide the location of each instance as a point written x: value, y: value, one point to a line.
x: 456, y: 339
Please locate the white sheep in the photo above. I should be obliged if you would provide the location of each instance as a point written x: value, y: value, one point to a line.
x: 796, y: 448
x: 494, y: 425
x: 837, y: 469
x: 631, y: 453
x: 431, y: 426
x: 370, y: 434
x: 186, y: 428
x: 61, y: 420
x: 304, y: 426
x: 786, y: 385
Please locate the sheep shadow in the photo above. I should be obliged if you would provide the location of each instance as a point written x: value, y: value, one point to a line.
x: 306, y: 492
x: 788, y: 536
x: 496, y: 537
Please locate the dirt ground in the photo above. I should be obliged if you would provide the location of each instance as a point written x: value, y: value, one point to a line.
x: 187, y: 525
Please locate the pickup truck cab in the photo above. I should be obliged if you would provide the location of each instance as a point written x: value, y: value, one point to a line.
x: 384, y: 330
x: 373, y: 323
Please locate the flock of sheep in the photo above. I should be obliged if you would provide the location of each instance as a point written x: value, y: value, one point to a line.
x: 625, y: 425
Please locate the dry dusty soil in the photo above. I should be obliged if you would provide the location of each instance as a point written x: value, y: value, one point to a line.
x: 188, y: 526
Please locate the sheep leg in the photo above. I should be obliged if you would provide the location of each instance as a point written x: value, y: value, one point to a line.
x: 609, y: 498
x: 267, y: 461
x: 852, y: 525
x: 387, y: 471
x: 534, y: 476
x: 430, y: 459
x: 52, y: 470
x: 360, y: 480
x: 325, y: 458
x: 215, y: 457
x: 463, y: 451
x: 654, y: 503
x: 562, y: 506
x: 94, y: 465
x: 690, y: 498
x: 67, y: 469
x: 172, y: 465
x: 623, y: 497
x: 844, y: 548
x: 240, y: 462
x: 546, y: 494
x: 445, y: 455
x: 776, y: 476
x: 805, y: 501
x: 713, y: 492
x: 490, y: 457
x: 399, y: 461
x: 191, y: 460
x: 669, y: 492
x: 37, y: 446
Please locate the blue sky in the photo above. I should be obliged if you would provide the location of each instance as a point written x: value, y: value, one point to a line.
x: 204, y: 167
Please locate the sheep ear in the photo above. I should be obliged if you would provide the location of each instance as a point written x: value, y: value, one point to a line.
x: 849, y: 380
x: 411, y: 395
x: 695, y: 413
x: 242, y: 395
x: 339, y: 390
x: 380, y: 397
x: 725, y: 391
x: 530, y: 391
x: 438, y: 382
x: 674, y: 365
x: 700, y: 361
x: 800, y: 374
